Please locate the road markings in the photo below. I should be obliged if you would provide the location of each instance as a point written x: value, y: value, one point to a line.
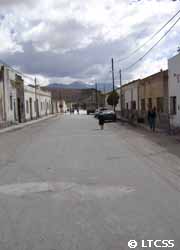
x: 65, y: 189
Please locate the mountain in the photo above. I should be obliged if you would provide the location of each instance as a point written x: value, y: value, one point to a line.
x: 82, y: 85
x: 73, y: 85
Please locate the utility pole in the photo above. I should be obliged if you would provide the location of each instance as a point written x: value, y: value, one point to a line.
x: 112, y: 60
x: 35, y: 85
x: 104, y: 95
x: 120, y: 81
x: 96, y: 97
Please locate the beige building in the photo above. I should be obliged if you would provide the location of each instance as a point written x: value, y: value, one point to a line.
x: 138, y: 96
x: 153, y: 92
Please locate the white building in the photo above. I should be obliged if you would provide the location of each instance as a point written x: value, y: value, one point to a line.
x: 11, y: 96
x: 130, y: 95
x: 174, y: 90
x: 37, y: 109
x: 2, y: 98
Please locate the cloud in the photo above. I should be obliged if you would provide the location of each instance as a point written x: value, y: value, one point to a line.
x: 60, y: 36
x: 70, y: 39
x: 14, y: 3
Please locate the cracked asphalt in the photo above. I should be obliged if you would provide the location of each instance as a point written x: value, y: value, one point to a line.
x: 66, y: 185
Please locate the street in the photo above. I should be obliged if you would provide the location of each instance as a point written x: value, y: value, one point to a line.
x: 67, y: 185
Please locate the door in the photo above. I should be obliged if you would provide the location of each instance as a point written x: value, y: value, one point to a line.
x: 30, y: 108
x: 19, y: 110
x: 15, y: 114
x: 37, y: 108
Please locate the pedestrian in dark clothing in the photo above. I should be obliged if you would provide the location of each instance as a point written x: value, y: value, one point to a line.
x: 152, y: 119
x: 101, y: 121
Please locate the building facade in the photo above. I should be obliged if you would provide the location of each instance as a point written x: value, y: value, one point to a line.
x: 37, y: 103
x: 129, y: 99
x: 153, y: 93
x: 140, y: 95
x: 174, y: 90
x: 11, y: 97
x: 2, y: 97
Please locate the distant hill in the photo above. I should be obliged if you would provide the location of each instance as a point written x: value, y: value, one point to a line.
x: 81, y: 85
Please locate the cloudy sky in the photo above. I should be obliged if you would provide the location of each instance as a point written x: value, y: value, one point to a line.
x: 67, y: 40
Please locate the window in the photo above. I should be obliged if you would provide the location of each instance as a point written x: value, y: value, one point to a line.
x: 27, y: 107
x: 41, y: 105
x: 133, y: 105
x: 11, y: 103
x: 127, y: 106
x: 143, y: 108
x: 160, y: 104
x: 150, y: 103
x: 173, y: 105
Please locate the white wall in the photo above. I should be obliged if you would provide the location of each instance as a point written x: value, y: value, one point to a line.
x: 28, y: 93
x: 128, y: 98
x: 131, y: 94
x: 64, y: 106
x: 174, y: 87
x: 11, y: 114
x: 135, y: 94
x: 44, y: 102
x: 118, y: 107
x: 2, y: 116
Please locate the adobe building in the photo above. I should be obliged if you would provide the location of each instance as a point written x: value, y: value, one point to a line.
x: 138, y: 96
x: 153, y: 92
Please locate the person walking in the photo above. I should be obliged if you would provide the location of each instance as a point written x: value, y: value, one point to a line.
x: 101, y: 121
x: 152, y: 119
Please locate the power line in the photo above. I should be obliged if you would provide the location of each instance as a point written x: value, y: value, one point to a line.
x: 166, y: 33
x: 151, y: 38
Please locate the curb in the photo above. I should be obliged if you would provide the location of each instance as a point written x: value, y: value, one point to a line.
x: 26, y: 124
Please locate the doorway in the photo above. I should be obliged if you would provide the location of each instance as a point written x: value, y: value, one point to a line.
x: 30, y: 108
x: 19, y: 110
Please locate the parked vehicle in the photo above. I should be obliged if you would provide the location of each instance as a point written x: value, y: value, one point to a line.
x: 109, y: 115
x: 99, y: 111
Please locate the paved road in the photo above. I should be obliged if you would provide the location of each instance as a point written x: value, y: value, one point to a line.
x: 66, y: 185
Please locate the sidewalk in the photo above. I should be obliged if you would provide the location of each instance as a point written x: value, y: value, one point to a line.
x: 25, y: 124
x: 140, y: 125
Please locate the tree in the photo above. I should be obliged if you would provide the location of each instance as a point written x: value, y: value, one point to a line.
x: 113, y: 98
